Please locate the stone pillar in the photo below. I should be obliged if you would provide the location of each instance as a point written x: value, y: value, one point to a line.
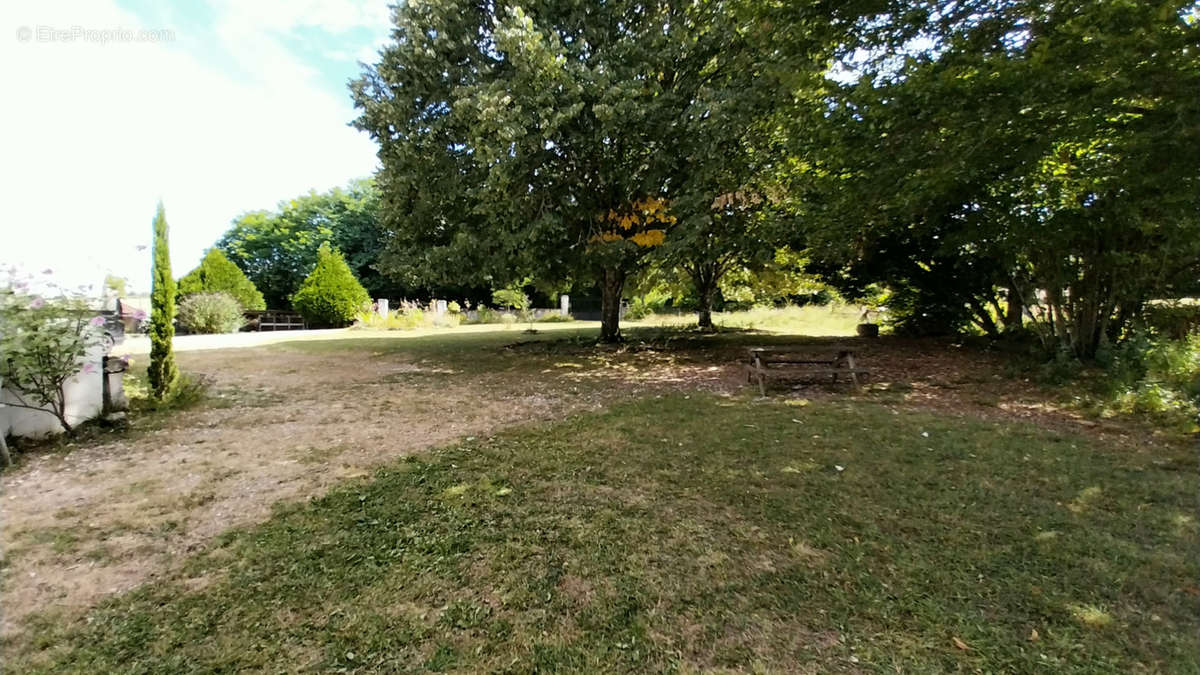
x: 381, y: 307
x: 441, y: 308
x: 564, y: 305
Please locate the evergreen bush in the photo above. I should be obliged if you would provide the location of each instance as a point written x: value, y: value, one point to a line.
x: 216, y: 274
x: 330, y: 295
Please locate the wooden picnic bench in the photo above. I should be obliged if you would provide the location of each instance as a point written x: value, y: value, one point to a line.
x: 269, y: 320
x: 797, y: 363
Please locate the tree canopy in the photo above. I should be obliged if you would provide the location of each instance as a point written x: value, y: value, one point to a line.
x: 216, y: 274
x: 277, y: 249
x: 1012, y: 162
x: 512, y: 136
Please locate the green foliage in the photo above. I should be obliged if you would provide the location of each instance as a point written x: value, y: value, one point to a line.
x: 1046, y: 150
x: 43, y: 342
x: 1154, y: 375
x: 509, y: 133
x: 642, y: 306
x: 485, y: 314
x: 216, y: 274
x: 115, y: 285
x: 408, y: 318
x: 209, y: 313
x: 510, y: 298
x: 276, y: 249
x: 778, y: 280
x: 555, y: 317
x: 1173, y: 320
x: 330, y: 295
x: 162, y: 370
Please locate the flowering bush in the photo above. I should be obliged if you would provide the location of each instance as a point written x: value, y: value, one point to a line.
x: 43, y: 341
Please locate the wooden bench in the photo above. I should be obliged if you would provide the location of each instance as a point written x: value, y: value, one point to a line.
x: 268, y: 320
x: 797, y: 363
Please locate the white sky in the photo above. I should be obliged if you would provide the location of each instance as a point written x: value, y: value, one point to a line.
x: 228, y: 117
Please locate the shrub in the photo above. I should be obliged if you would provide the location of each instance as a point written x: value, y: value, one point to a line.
x: 216, y: 274
x: 44, y: 342
x: 1154, y: 375
x: 508, y: 319
x: 640, y: 308
x: 1175, y: 320
x: 211, y: 313
x: 331, y: 295
x: 485, y: 314
x: 510, y: 298
x: 555, y: 317
x: 400, y: 319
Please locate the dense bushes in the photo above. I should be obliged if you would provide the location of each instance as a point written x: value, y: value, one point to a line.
x: 1155, y: 375
x: 330, y: 295
x: 1175, y: 321
x: 210, y: 313
x: 216, y: 274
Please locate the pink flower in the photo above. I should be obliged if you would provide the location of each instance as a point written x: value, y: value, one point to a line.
x: 89, y: 368
x: 97, y: 321
x: 37, y: 303
x: 140, y: 315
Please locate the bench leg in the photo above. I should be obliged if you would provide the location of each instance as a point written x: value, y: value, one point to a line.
x: 758, y: 373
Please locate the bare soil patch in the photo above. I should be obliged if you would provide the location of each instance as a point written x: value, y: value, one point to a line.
x: 279, y: 426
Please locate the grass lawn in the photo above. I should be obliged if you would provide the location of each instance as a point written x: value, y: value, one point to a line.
x: 694, y: 532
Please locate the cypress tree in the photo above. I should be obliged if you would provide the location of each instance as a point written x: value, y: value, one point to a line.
x: 162, y: 372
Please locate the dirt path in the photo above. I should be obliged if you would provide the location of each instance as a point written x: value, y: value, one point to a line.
x: 284, y: 425
x: 101, y: 520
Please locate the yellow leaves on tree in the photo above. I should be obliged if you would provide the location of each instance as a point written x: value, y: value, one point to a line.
x: 635, y: 223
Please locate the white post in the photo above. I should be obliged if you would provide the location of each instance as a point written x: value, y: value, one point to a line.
x: 441, y: 307
x: 381, y: 307
x: 564, y: 304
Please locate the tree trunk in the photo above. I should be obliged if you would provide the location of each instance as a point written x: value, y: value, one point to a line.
x: 983, y: 318
x: 4, y: 456
x: 1013, y: 316
x: 704, y: 311
x: 704, y: 278
x: 611, y: 285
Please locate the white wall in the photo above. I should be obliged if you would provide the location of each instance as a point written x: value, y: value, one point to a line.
x: 84, y: 395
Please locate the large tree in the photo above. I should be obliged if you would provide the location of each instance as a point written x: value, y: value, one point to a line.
x: 522, y: 139
x: 1014, y: 160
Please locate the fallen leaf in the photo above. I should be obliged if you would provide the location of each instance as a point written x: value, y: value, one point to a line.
x: 796, y: 402
x: 960, y: 644
x: 1033, y: 635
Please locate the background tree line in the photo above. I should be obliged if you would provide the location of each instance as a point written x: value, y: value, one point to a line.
x: 992, y: 165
